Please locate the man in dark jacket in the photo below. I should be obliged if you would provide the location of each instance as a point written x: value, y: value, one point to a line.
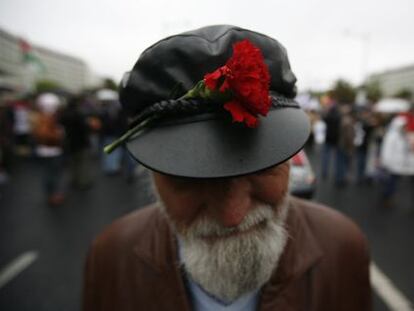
x: 225, y: 233
x: 77, y: 143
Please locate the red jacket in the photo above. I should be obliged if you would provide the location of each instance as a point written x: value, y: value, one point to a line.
x: 133, y: 265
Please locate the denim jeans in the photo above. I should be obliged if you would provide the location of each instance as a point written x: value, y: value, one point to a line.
x: 52, y: 174
x: 328, y: 151
x: 342, y: 165
x: 389, y: 185
x: 111, y: 163
x: 361, y: 158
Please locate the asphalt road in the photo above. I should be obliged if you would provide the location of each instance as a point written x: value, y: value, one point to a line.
x: 50, y: 244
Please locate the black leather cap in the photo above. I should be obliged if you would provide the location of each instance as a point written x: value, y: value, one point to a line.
x: 211, y: 147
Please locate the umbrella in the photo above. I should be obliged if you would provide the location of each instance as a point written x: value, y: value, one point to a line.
x: 107, y: 95
x: 392, y: 105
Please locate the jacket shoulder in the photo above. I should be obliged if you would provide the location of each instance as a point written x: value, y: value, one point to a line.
x: 132, y: 251
x: 342, y: 274
x: 331, y: 228
x: 129, y: 229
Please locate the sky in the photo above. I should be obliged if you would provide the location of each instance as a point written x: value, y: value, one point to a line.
x: 325, y: 39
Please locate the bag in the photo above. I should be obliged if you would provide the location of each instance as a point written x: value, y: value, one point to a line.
x: 47, y: 131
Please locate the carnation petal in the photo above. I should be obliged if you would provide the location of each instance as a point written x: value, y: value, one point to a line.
x: 249, y: 80
x: 211, y: 79
x: 240, y: 114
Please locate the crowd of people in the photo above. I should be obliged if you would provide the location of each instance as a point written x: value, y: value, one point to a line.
x: 357, y: 143
x: 364, y: 145
x: 63, y: 133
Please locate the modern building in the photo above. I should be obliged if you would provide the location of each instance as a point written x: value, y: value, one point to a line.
x: 395, y: 80
x: 22, y: 65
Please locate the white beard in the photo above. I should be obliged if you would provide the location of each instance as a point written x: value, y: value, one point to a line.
x: 228, y: 264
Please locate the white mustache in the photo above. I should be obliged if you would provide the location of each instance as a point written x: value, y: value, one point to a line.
x: 205, y: 227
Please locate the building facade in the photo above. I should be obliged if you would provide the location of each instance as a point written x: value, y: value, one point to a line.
x: 393, y: 81
x: 20, y: 72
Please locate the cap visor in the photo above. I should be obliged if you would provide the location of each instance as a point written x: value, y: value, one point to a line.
x: 218, y: 148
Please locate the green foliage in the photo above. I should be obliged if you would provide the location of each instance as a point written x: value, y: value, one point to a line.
x: 373, y: 91
x: 46, y: 86
x: 404, y: 94
x: 109, y: 83
x: 343, y: 92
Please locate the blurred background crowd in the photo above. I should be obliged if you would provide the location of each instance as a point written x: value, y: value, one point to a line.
x: 62, y: 131
x: 361, y: 136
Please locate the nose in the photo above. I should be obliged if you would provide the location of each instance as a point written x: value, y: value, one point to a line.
x: 230, y: 201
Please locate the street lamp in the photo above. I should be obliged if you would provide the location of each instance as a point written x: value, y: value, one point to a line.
x: 364, y: 38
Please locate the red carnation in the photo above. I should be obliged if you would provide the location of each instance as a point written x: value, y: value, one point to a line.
x: 247, y: 78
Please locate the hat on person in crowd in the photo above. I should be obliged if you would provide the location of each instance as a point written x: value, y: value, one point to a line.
x: 48, y: 103
x: 211, y: 103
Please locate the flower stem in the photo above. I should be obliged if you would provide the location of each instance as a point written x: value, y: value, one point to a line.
x: 199, y: 90
x: 121, y: 140
x: 195, y: 91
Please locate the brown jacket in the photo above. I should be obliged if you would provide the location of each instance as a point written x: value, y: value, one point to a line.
x: 133, y: 265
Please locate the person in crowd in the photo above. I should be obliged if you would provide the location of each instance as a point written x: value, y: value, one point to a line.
x: 49, y: 136
x: 364, y: 128
x: 409, y: 124
x: 91, y: 108
x: 397, y: 154
x: 319, y: 131
x: 345, y: 145
x: 225, y: 233
x: 6, y: 140
x: 22, y: 127
x: 113, y: 123
x: 332, y: 121
x: 77, y: 132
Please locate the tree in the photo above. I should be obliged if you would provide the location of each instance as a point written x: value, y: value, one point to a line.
x: 404, y: 94
x: 109, y: 83
x: 343, y: 92
x: 43, y: 86
x: 373, y: 91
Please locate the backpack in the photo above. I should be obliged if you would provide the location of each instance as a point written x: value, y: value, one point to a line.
x: 47, y: 131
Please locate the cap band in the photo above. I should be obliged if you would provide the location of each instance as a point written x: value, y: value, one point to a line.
x: 184, y: 108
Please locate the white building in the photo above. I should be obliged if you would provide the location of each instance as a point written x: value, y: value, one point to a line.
x: 394, y: 80
x: 71, y: 73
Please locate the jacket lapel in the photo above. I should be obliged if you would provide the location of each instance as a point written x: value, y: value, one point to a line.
x: 158, y: 251
x: 288, y: 285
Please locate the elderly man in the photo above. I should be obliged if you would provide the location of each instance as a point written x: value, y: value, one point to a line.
x: 215, y: 120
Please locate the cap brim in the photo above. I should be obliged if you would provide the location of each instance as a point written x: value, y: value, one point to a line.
x: 218, y: 148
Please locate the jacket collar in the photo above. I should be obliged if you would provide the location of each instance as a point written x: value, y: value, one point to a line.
x: 301, y: 253
x: 158, y: 246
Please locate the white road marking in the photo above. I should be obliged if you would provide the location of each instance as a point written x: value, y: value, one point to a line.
x: 9, y: 272
x: 388, y: 292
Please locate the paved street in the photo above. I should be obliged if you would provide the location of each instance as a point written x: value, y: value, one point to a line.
x: 389, y: 231
x: 48, y: 245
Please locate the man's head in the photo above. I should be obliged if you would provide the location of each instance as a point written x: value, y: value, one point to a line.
x: 223, y: 184
x: 231, y: 229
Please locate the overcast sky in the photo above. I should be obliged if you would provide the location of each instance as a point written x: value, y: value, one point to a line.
x: 326, y: 39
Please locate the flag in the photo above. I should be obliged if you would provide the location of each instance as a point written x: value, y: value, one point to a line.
x: 29, y: 57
